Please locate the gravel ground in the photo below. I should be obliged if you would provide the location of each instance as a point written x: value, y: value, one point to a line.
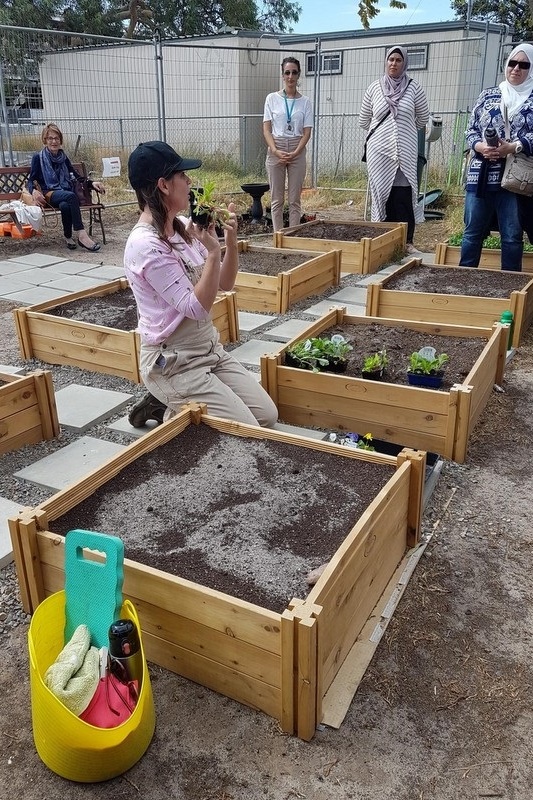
x: 444, y: 711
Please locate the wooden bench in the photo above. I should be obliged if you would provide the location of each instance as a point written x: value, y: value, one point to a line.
x: 14, y: 179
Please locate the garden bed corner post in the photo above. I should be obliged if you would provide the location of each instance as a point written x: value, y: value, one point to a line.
x: 417, y: 460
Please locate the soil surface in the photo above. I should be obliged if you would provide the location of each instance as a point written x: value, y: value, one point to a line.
x: 271, y: 263
x: 399, y: 343
x: 444, y: 711
x: 340, y: 232
x: 458, y: 280
x: 260, y: 515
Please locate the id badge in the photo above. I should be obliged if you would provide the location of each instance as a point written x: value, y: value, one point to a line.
x: 289, y: 128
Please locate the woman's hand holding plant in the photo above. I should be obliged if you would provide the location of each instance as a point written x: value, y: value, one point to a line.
x: 230, y: 226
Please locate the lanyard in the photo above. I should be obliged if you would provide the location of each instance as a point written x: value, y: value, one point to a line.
x: 289, y: 110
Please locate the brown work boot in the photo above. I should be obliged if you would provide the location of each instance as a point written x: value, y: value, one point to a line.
x: 147, y: 408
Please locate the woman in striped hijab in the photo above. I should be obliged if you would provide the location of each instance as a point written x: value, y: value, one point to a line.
x: 393, y: 109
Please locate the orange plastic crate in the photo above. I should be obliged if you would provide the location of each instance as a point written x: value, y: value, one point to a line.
x: 5, y: 228
x: 27, y: 231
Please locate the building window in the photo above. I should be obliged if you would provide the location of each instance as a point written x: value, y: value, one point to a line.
x: 417, y: 56
x: 330, y: 63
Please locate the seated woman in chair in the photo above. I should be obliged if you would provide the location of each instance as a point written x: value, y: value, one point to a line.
x: 52, y: 171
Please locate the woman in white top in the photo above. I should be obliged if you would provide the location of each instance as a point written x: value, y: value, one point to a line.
x: 287, y: 125
x: 393, y: 109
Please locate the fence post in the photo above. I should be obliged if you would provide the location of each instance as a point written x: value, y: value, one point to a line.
x: 159, y: 76
x: 316, y: 116
x: 6, y: 121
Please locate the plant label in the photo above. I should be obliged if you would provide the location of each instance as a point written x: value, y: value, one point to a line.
x: 427, y: 352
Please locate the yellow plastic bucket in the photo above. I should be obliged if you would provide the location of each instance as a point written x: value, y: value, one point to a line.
x: 67, y: 745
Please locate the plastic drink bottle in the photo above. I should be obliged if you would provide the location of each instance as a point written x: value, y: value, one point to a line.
x: 125, y: 651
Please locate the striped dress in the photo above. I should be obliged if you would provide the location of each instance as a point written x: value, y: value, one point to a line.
x: 394, y: 145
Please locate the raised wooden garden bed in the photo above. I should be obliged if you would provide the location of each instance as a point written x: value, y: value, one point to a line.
x: 360, y: 253
x: 480, y: 310
x: 97, y: 348
x: 28, y: 412
x: 277, y: 293
x: 490, y: 259
x: 435, y: 421
x: 279, y: 662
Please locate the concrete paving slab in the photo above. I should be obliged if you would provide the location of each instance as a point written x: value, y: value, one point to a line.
x: 39, y: 276
x: 287, y: 330
x: 33, y: 295
x: 9, y: 370
x: 251, y: 322
x: 80, y: 407
x: 123, y: 426
x: 350, y: 294
x: 251, y: 351
x: 368, y: 279
x: 322, y: 307
x: 75, y: 283
x: 11, y: 285
x: 388, y: 270
x: 74, y: 267
x: 355, y: 310
x: 37, y: 260
x: 106, y: 273
x: 70, y: 464
x: 7, y: 509
x: 12, y: 268
x: 310, y: 433
x: 427, y: 258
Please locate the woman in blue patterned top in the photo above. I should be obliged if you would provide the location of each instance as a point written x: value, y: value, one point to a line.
x: 512, y: 100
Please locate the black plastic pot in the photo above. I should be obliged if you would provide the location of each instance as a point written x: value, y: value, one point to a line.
x: 199, y: 219
x: 338, y: 365
x: 372, y: 374
x: 431, y: 381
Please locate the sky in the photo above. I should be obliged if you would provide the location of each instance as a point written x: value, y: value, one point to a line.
x: 341, y: 15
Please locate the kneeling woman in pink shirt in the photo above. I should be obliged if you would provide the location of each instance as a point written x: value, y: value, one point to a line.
x: 175, y: 270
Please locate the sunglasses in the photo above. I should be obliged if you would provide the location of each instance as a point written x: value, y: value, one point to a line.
x: 520, y: 64
x: 291, y: 72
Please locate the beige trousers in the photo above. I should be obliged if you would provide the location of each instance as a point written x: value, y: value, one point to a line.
x: 294, y: 173
x: 192, y: 365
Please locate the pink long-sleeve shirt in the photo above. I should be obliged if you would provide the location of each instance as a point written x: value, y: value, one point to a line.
x: 162, y: 281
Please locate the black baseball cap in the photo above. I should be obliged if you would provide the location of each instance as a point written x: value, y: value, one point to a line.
x: 152, y: 160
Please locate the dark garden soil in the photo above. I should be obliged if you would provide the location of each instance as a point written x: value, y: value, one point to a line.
x: 347, y: 232
x: 400, y: 343
x: 271, y: 263
x: 458, y: 280
x: 234, y: 514
x: 117, y: 310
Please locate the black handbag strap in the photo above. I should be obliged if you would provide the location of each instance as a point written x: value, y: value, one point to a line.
x: 377, y: 126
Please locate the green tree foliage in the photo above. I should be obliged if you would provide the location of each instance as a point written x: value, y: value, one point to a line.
x: 518, y: 14
x: 368, y: 10
x: 139, y: 18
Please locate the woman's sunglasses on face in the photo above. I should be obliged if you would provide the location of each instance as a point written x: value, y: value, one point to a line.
x: 520, y: 64
x: 291, y: 72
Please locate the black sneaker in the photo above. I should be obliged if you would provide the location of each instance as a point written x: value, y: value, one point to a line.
x: 147, y: 408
